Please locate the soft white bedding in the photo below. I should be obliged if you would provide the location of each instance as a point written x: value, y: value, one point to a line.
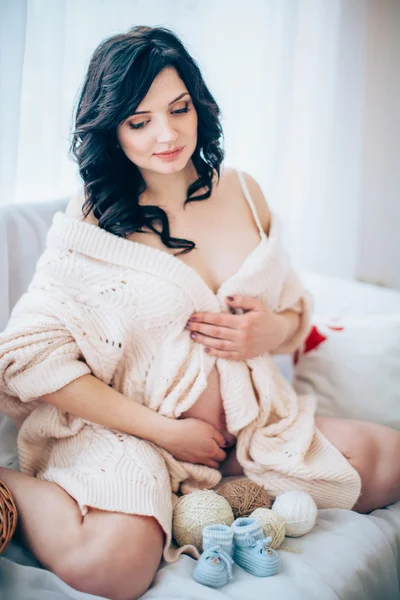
x: 346, y: 556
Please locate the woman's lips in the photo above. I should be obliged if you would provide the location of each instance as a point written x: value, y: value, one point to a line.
x: 170, y: 155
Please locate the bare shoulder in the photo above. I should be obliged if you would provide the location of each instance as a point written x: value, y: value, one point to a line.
x: 256, y: 193
x: 260, y: 202
x: 75, y: 208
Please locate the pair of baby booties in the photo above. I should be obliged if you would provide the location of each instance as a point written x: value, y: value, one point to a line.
x: 243, y: 543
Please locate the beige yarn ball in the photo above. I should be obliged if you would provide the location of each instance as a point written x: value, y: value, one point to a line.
x: 196, y: 510
x: 298, y: 510
x: 244, y: 496
x: 273, y: 525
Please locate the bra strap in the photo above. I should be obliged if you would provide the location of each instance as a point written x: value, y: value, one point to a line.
x: 249, y: 199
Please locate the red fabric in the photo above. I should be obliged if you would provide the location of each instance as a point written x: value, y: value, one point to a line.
x: 314, y: 339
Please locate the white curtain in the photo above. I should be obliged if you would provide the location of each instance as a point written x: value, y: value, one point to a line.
x: 310, y: 95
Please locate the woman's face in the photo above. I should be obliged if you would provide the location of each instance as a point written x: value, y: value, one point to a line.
x: 168, y: 121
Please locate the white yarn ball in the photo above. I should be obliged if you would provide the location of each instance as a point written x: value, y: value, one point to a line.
x: 298, y: 510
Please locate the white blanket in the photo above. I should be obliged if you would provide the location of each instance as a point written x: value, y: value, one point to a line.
x: 346, y: 556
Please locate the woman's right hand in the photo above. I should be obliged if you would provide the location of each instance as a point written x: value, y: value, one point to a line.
x: 195, y: 441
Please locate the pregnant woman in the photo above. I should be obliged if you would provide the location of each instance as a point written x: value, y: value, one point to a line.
x: 138, y: 365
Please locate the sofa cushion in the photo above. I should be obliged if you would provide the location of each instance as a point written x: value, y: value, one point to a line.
x: 352, y: 364
x: 23, y: 229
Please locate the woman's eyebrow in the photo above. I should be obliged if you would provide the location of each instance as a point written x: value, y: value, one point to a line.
x: 144, y: 112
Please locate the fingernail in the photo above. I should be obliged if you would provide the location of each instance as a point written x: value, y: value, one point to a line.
x: 206, y: 349
x: 193, y: 335
x: 230, y: 298
x: 187, y: 326
x: 192, y: 319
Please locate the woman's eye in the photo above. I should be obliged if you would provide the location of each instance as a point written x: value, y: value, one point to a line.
x: 136, y: 125
x: 182, y: 110
x: 174, y: 112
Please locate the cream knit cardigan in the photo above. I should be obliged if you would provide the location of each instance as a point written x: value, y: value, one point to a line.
x: 117, y: 309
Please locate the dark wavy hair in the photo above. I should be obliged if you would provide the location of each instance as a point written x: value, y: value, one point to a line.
x: 119, y: 76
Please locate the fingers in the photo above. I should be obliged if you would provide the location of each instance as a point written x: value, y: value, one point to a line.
x: 212, y: 463
x: 218, y: 437
x: 244, y: 302
x: 219, y: 319
x: 218, y: 457
x: 214, y: 331
x: 210, y: 342
x: 219, y: 454
x: 229, y: 355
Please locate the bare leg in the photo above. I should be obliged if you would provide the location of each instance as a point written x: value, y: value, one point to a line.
x: 108, y: 554
x: 373, y: 450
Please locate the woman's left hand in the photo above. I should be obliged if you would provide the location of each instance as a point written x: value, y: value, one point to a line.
x: 239, y: 336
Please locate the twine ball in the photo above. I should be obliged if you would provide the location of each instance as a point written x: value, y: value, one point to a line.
x: 8, y: 516
x: 244, y: 496
x: 273, y: 525
x: 298, y: 510
x: 196, y: 510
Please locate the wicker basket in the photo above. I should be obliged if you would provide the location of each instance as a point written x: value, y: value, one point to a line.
x: 8, y: 516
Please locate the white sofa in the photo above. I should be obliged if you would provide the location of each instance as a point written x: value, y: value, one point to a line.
x: 346, y: 556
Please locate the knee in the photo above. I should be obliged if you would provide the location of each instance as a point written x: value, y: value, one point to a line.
x: 388, y: 466
x: 122, y: 573
x: 379, y: 448
x: 365, y: 450
x: 105, y: 577
x: 378, y: 468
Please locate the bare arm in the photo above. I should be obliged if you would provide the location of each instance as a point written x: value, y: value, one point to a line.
x: 91, y: 399
x: 290, y: 323
x: 190, y: 440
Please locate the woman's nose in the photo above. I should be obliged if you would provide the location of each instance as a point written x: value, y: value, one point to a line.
x: 166, y: 133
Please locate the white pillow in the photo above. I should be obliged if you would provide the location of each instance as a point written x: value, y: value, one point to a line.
x: 353, y: 367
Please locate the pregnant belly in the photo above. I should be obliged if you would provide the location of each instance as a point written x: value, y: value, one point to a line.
x: 209, y: 407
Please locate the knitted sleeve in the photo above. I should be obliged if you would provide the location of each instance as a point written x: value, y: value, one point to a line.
x: 291, y: 293
x: 55, y: 335
x: 296, y: 298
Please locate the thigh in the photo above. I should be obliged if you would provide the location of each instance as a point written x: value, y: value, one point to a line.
x: 357, y: 440
x: 108, y: 554
x: 121, y: 540
x: 371, y: 449
x: 354, y: 439
x: 118, y: 555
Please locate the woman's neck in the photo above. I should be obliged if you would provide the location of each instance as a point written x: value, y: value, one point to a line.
x: 168, y: 190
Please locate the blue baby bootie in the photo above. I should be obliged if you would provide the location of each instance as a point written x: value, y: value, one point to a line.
x: 214, y: 567
x: 251, y: 549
